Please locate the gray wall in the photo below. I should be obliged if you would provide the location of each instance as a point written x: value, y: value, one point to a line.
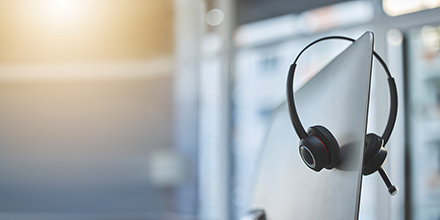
x: 80, y: 146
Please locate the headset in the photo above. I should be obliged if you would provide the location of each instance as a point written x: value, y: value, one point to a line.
x: 318, y: 147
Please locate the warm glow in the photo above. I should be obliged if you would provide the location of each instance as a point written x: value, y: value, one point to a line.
x: 54, y: 31
x: 431, y: 3
x: 400, y: 7
x: 66, y: 13
x: 63, y: 9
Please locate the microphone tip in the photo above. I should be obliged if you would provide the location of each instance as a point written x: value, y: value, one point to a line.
x: 393, y: 190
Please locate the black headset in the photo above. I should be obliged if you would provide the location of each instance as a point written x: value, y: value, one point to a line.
x: 319, y: 148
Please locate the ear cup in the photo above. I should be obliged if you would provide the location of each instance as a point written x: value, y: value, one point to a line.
x: 374, y: 154
x: 373, y: 143
x: 332, y: 146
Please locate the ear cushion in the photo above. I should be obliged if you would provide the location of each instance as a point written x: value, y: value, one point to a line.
x: 329, y: 141
x: 373, y: 144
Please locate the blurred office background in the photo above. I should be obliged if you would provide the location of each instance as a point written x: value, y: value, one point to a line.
x: 140, y: 109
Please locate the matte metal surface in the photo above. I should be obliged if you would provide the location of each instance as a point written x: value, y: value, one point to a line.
x: 337, y: 98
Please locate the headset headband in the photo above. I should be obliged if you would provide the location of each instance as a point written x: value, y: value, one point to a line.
x: 300, y: 131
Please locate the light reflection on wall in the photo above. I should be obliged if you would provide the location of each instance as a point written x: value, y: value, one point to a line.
x: 62, y: 13
x: 84, y: 30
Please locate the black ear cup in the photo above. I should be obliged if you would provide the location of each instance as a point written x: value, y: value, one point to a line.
x: 320, y: 149
x: 313, y: 153
x: 329, y: 141
x: 374, y: 154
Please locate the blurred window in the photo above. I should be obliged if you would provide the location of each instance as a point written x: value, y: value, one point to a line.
x: 401, y: 7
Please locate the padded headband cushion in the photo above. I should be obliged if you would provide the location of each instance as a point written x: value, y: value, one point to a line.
x: 329, y: 141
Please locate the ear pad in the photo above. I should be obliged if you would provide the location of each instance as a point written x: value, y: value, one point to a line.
x: 374, y: 154
x: 332, y: 146
x: 373, y: 143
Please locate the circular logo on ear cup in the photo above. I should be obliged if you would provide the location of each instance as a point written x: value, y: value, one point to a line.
x: 312, y: 151
x: 307, y: 156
